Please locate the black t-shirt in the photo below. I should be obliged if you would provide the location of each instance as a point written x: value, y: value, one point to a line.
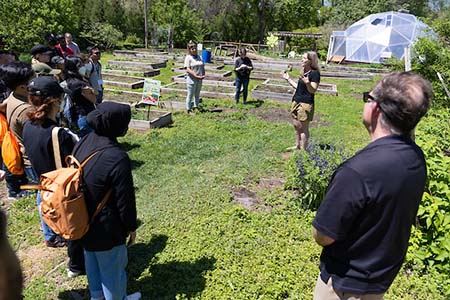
x: 370, y: 206
x: 37, y: 140
x: 301, y: 93
x: 82, y: 105
x: 243, y: 73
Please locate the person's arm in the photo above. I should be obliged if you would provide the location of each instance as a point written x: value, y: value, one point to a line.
x: 322, y: 239
x: 88, y: 93
x: 311, y: 86
x: 289, y: 80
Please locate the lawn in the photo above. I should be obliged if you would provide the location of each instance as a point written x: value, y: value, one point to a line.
x: 195, y: 239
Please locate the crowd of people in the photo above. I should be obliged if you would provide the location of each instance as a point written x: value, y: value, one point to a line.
x: 57, y: 100
x: 363, y: 224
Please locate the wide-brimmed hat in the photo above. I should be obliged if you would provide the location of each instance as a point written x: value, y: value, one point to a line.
x: 44, y: 69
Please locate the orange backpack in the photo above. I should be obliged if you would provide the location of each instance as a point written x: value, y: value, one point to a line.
x: 63, y: 205
x: 3, y: 127
x: 12, y: 157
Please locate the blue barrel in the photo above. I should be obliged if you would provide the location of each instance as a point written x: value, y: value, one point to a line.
x: 206, y: 56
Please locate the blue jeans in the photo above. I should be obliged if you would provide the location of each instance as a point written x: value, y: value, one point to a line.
x: 244, y: 83
x: 193, y: 91
x: 106, y: 274
x: 83, y: 126
x: 13, y: 182
x: 49, y: 234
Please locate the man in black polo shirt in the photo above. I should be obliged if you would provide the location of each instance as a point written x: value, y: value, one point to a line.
x: 365, y: 220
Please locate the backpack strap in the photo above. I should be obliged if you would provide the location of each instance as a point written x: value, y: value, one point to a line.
x: 101, y: 205
x: 14, y: 110
x: 56, y: 151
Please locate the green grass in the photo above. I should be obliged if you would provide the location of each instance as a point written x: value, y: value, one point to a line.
x: 194, y: 240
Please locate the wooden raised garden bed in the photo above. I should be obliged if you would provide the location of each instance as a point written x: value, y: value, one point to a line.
x: 211, y: 67
x: 207, y: 91
x: 144, y: 119
x: 136, y: 65
x: 122, y: 96
x: 284, y: 93
x: 324, y: 88
x: 144, y: 73
x: 129, y: 82
x: 209, y: 80
x: 346, y: 75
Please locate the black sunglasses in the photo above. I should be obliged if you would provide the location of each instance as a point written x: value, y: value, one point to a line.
x: 367, y: 97
x: 96, y: 53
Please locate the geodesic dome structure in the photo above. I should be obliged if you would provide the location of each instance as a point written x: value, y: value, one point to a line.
x: 377, y: 36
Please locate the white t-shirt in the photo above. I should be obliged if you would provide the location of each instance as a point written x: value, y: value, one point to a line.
x: 196, y: 64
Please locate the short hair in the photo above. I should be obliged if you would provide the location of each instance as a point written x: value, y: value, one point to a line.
x: 16, y: 73
x: 191, y: 44
x: 312, y: 56
x: 243, y: 50
x: 91, y: 49
x: 403, y: 98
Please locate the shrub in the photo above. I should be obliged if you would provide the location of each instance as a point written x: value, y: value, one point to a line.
x: 105, y: 35
x: 310, y: 172
x: 431, y: 239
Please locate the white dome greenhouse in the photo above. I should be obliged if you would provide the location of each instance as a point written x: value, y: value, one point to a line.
x: 376, y: 37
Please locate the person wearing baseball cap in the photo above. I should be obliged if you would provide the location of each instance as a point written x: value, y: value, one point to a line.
x: 45, y: 95
x: 41, y: 53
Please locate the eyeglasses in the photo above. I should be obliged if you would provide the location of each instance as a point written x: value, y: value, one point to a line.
x: 367, y: 97
x: 96, y: 53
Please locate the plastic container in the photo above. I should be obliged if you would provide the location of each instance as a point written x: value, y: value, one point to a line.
x: 206, y: 56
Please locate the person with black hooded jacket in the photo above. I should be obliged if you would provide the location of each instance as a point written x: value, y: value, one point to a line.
x: 109, y: 170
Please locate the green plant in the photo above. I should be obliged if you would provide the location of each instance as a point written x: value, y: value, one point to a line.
x: 312, y: 172
x: 104, y: 35
x: 431, y: 240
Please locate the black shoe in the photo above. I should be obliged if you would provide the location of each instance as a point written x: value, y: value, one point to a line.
x: 56, y: 242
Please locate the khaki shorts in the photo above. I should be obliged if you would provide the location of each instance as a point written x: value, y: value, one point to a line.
x: 302, y: 111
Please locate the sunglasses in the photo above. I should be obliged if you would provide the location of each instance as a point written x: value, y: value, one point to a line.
x: 96, y: 53
x: 192, y: 48
x: 367, y: 97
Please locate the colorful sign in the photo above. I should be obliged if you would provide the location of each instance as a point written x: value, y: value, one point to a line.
x: 151, y: 92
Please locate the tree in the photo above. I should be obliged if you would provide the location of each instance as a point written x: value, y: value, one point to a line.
x: 24, y: 23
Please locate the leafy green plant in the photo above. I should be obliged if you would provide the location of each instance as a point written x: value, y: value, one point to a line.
x: 103, y: 35
x: 431, y: 240
x: 312, y: 172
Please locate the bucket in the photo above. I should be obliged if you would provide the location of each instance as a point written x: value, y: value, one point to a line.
x: 206, y: 56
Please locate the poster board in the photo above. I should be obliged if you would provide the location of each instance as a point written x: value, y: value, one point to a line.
x: 151, y: 92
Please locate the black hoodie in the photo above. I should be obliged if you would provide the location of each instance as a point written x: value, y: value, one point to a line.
x: 108, y: 169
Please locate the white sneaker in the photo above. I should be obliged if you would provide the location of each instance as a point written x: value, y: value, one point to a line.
x: 72, y: 274
x: 135, y: 296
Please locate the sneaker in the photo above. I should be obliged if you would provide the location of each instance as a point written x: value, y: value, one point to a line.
x: 189, y: 111
x: 56, y: 242
x: 135, y: 296
x: 196, y: 110
x: 73, y: 274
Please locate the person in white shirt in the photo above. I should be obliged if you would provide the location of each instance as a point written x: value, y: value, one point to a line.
x: 71, y: 44
x: 195, y: 73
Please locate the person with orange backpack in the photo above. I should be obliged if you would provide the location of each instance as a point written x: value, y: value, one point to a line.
x: 16, y: 76
x: 48, y: 145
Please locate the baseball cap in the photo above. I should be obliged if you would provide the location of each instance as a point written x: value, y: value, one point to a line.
x: 44, y: 69
x: 45, y: 86
x: 40, y: 49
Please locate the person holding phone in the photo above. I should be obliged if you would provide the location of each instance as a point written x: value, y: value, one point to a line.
x: 302, y: 109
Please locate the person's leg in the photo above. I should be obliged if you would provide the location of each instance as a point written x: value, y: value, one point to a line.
x: 112, y: 265
x: 298, y: 131
x: 190, y: 95
x: 49, y: 235
x: 324, y: 291
x: 245, y: 92
x: 93, y: 275
x: 75, y: 252
x: 238, y: 84
x: 13, y: 183
x: 304, y: 135
x: 31, y: 174
x: 198, y: 87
